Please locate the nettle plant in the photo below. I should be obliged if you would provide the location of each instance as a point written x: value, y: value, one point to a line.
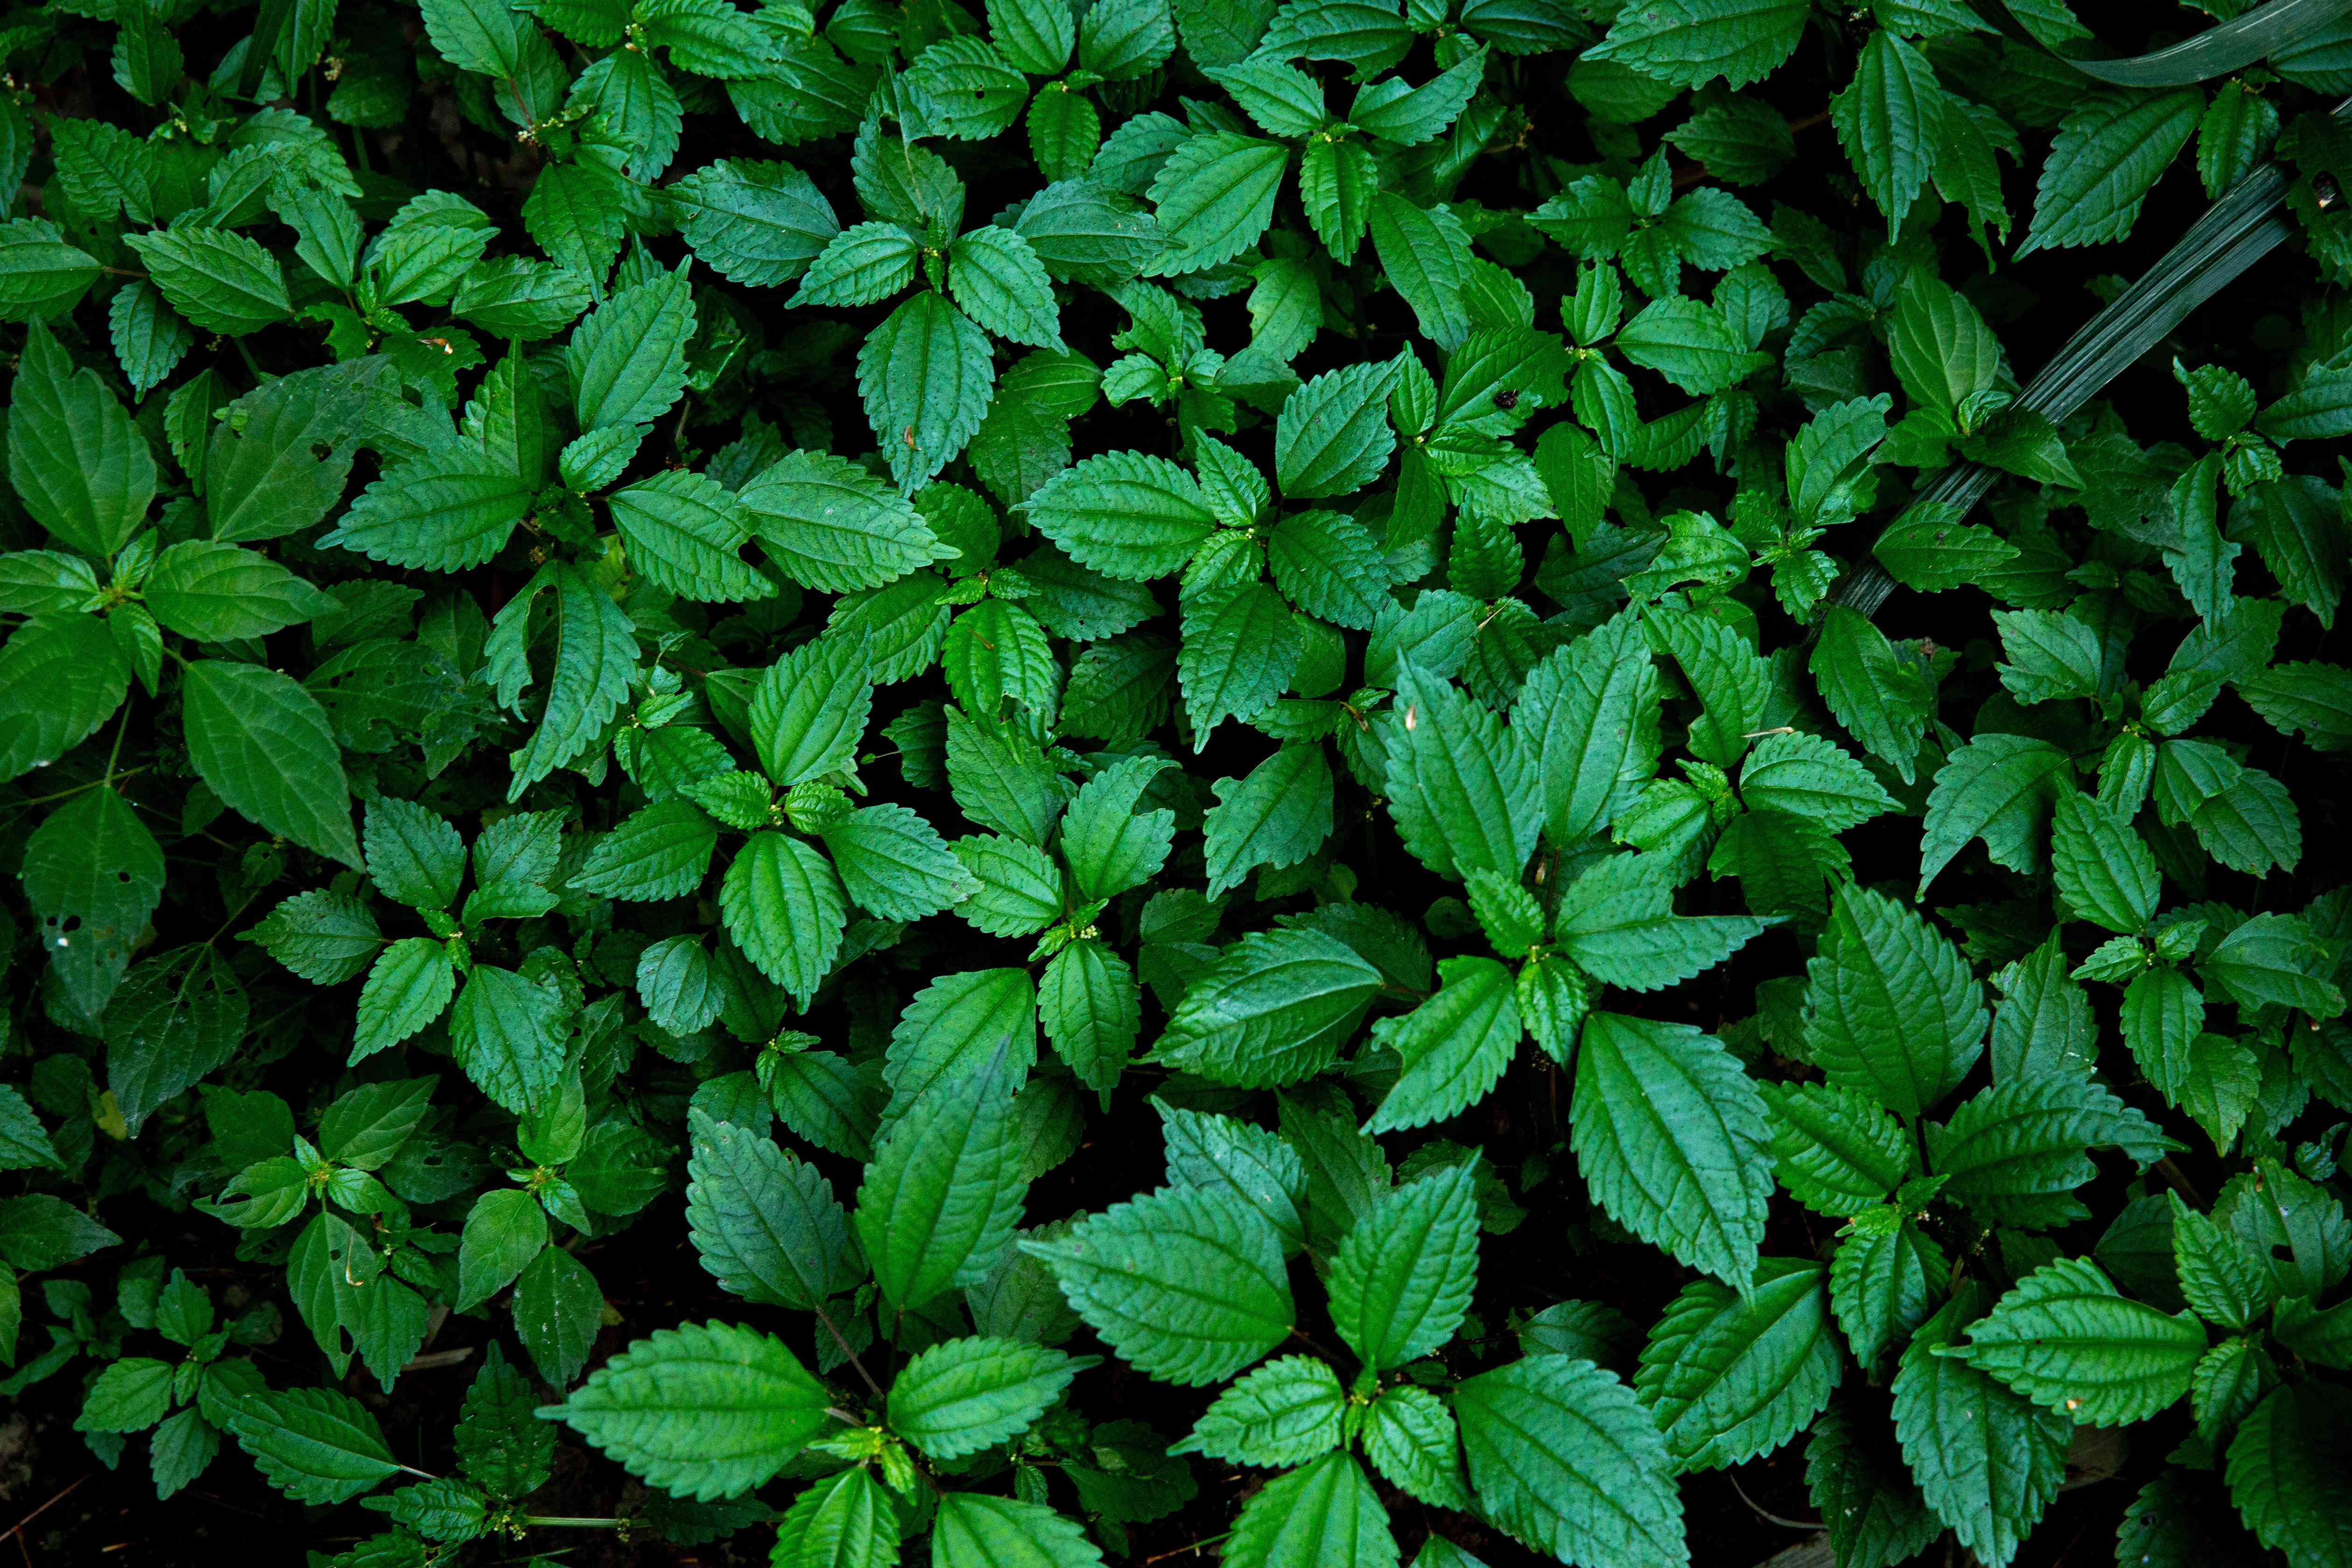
x: 1087, y: 690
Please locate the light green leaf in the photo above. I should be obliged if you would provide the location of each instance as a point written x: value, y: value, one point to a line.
x: 2067, y: 1340
x: 1454, y: 1046
x: 1275, y: 1009
x: 1186, y: 1284
x: 927, y: 377
x: 964, y: 1396
x: 1562, y: 1457
x: 1672, y: 1140
x: 1401, y: 1281
x: 1324, y: 1513
x: 1894, y: 1011
x: 1215, y: 198
x: 1730, y: 1376
x: 942, y: 1195
x: 703, y: 1411
x: 315, y: 1445
x: 265, y: 746
x: 1284, y: 1413
x: 82, y: 468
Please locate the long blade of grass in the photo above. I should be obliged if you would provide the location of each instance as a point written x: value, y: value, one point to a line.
x: 2236, y: 232
x: 2224, y: 48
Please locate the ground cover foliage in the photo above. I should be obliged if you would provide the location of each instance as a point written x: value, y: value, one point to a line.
x: 1335, y: 782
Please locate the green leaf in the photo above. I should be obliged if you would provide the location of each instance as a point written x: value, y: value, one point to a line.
x: 1837, y: 1151
x: 1332, y: 437
x: 785, y: 909
x: 833, y: 526
x: 216, y: 592
x: 2110, y: 151
x: 130, y: 1395
x: 661, y: 852
x: 1124, y: 514
x: 1731, y: 681
x: 2016, y: 1153
x: 977, y: 1530
x: 1460, y: 783
x: 1689, y: 43
x: 1275, y: 1009
x: 1732, y: 1377
x: 82, y: 468
x: 860, y: 265
x: 1186, y: 1284
x: 1286, y: 1413
x: 1589, y: 713
x: 504, y: 1231
x: 927, y: 377
x: 894, y: 865
x: 1987, y: 1460
x: 1690, y: 345
x: 1894, y: 1012
x: 1411, y: 1439
x: 446, y: 511
x: 1999, y: 787
x: 627, y: 360
x: 1883, y: 699
x: 407, y: 988
x: 1617, y: 922
x: 2274, y: 959
x: 265, y: 746
x: 1247, y: 1162
x: 1242, y: 648
x: 93, y: 875
x: 1866, y: 1500
x: 1454, y: 1046
x: 506, y: 1031
x: 683, y: 532
x: 1889, y: 121
x: 24, y: 1143
x: 1942, y: 351
x: 1036, y: 36
x: 942, y: 1195
x: 1425, y: 254
x: 2221, y: 1275
x: 2067, y: 1340
x: 222, y: 281
x: 323, y: 936
x: 995, y: 277
x: 557, y: 1312
x: 752, y: 223
x: 1325, y: 1513
x: 1401, y: 1281
x: 40, y: 275
x: 845, y: 1520
x: 1091, y: 1009
x: 38, y: 1232
x: 703, y: 1411
x: 315, y: 1445
x: 1671, y: 1138
x: 955, y: 1025
x: 1215, y: 198
x: 810, y: 710
x: 1884, y: 1281
x: 1562, y: 1457
x: 964, y: 1395
x: 2283, y: 1469
x: 596, y: 654
x: 2103, y: 870
x: 765, y: 1222
x: 1805, y: 775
